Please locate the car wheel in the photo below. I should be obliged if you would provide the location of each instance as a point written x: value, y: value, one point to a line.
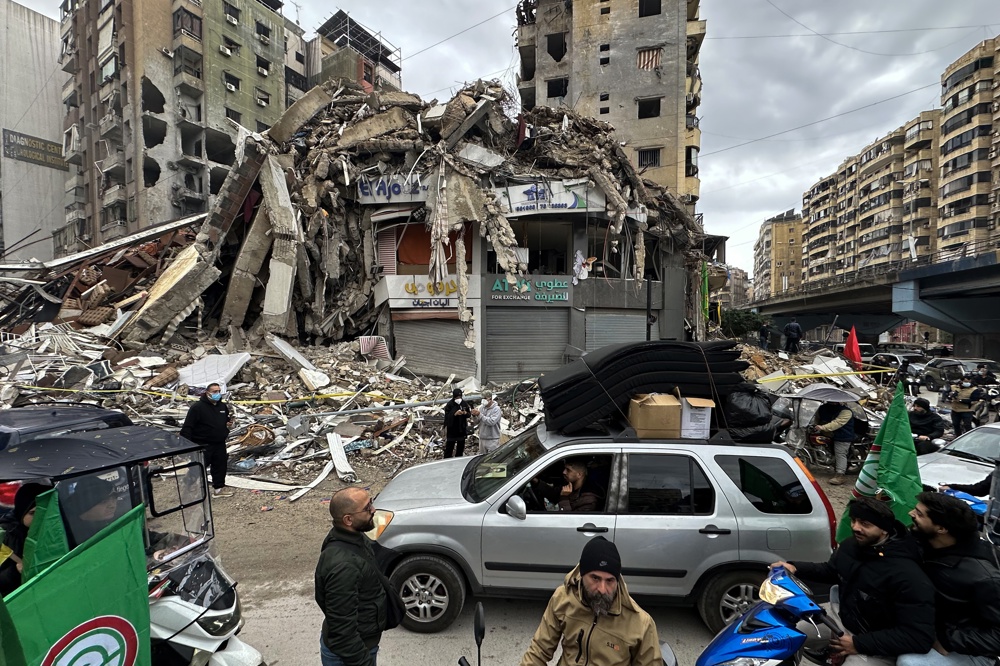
x: 432, y: 590
x: 931, y: 384
x: 727, y: 596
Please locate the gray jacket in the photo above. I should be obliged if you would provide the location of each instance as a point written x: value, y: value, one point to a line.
x: 489, y: 421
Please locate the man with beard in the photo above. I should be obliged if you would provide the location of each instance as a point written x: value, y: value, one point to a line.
x: 349, y: 586
x: 886, y: 602
x: 576, y: 494
x: 926, y: 425
x: 964, y: 572
x: 593, y: 615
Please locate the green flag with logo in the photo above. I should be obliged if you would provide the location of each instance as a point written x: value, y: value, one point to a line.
x: 90, y: 607
x: 11, y: 653
x: 46, y: 542
x: 890, y: 470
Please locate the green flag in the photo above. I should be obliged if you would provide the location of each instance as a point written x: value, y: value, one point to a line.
x: 11, y: 653
x: 891, y: 466
x: 90, y: 607
x: 46, y: 542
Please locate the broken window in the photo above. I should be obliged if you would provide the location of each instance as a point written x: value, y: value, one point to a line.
x: 368, y: 72
x: 152, y: 99
x: 649, y: 157
x: 188, y: 62
x: 154, y: 131
x: 231, y: 45
x: 186, y: 22
x: 557, y: 87
x: 649, y: 59
x: 233, y: 115
x: 262, y: 96
x: 649, y: 7
x: 556, y: 45
x: 691, y: 161
x: 150, y: 171
x: 649, y: 108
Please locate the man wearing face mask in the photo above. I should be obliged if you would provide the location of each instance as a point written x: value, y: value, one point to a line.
x: 963, y: 400
x: 207, y: 423
x: 983, y: 376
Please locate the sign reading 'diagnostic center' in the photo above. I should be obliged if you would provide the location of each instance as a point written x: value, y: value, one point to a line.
x: 25, y: 148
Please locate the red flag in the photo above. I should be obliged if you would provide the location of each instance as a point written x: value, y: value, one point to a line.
x: 851, y: 349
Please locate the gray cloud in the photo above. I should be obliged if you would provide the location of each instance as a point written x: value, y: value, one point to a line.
x: 753, y: 87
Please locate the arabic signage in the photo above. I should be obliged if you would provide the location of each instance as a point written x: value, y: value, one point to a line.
x: 550, y: 196
x: 531, y: 290
x: 406, y: 292
x: 25, y: 148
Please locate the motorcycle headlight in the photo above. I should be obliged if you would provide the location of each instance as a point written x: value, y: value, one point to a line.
x: 382, y: 520
x: 221, y: 625
x: 773, y: 594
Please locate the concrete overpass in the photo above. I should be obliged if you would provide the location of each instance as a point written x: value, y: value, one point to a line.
x: 958, y: 294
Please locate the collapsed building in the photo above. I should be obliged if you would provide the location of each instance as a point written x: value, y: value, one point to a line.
x: 436, y: 226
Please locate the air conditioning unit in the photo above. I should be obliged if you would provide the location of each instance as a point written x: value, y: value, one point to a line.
x: 230, y: 87
x: 167, y: 52
x: 264, y: 39
x: 224, y: 50
x: 232, y: 19
x: 262, y: 71
x: 261, y: 102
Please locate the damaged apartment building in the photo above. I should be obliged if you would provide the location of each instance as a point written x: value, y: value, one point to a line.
x: 476, y: 245
x: 632, y: 63
x: 157, y: 91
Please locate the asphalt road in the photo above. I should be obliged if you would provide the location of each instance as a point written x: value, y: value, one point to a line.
x: 286, y: 631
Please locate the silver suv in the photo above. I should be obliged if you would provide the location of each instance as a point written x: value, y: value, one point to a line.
x: 696, y: 521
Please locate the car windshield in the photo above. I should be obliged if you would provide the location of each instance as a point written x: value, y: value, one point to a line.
x: 913, y: 358
x: 973, y: 365
x: 981, y: 444
x: 495, y: 468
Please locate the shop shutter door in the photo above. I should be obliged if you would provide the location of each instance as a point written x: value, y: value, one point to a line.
x: 434, y: 347
x: 608, y: 327
x: 523, y: 342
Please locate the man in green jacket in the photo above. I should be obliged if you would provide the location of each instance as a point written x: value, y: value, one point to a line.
x: 348, y: 584
x: 594, y: 617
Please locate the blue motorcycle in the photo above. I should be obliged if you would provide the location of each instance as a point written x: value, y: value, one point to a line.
x: 766, y: 634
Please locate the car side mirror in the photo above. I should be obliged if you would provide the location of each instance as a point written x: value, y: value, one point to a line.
x: 517, y: 508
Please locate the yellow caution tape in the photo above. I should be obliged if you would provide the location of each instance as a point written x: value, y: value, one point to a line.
x: 827, y: 374
x: 160, y: 394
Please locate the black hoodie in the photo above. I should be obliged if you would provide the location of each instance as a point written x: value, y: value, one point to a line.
x: 967, y: 581
x: 927, y: 423
x: 206, y: 422
x: 886, y: 600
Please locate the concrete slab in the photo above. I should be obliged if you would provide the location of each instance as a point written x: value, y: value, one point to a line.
x: 299, y: 114
x: 483, y: 158
x: 248, y: 264
x: 393, y: 120
x: 217, y: 368
x: 287, y: 235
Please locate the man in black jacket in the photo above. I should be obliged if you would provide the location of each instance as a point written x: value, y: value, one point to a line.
x: 456, y: 425
x: 349, y: 586
x: 963, y: 569
x: 926, y: 425
x: 15, y: 533
x: 793, y: 333
x: 886, y: 600
x: 979, y: 489
x: 207, y: 423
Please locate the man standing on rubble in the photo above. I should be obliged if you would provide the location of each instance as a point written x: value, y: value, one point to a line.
x: 489, y: 423
x: 456, y: 425
x: 793, y: 333
x: 207, y: 423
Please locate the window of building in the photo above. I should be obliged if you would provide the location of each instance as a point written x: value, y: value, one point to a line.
x: 649, y: 59
x: 605, y: 60
x: 231, y: 81
x: 769, y: 484
x: 232, y: 12
x: 791, y: 263
x: 368, y: 72
x: 649, y: 7
x: 691, y: 161
x: 233, y: 115
x: 649, y: 108
x: 605, y: 48
x: 263, y: 64
x: 649, y: 157
x: 185, y: 21
x: 262, y: 96
x: 604, y: 110
x: 667, y: 485
x: 300, y: 57
x: 604, y: 97
x: 188, y: 62
x: 556, y: 45
x: 557, y: 87
x: 263, y: 31
x: 605, y: 10
x: 262, y: 127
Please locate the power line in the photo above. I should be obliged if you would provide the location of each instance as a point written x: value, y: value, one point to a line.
x: 461, y: 32
x: 854, y: 48
x: 851, y: 32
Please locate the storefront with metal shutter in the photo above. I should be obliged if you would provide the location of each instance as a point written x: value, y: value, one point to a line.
x: 523, y: 342
x: 434, y: 347
x: 606, y: 327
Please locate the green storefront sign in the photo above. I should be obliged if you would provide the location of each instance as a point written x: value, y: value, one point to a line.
x: 530, y: 290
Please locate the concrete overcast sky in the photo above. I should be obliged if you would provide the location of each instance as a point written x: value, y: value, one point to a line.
x: 754, y: 88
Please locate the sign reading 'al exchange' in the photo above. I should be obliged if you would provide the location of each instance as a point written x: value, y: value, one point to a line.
x: 25, y: 148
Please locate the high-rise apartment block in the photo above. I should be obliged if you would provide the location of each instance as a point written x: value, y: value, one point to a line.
x: 777, y: 255
x: 632, y: 63
x: 32, y: 170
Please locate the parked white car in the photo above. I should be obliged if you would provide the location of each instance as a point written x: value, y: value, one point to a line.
x: 967, y: 459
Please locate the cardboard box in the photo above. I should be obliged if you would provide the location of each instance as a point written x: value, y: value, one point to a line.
x: 655, y: 416
x: 696, y: 417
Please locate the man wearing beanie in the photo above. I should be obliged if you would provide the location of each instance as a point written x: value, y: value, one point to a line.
x: 594, y: 617
x: 926, y: 425
x: 886, y: 601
